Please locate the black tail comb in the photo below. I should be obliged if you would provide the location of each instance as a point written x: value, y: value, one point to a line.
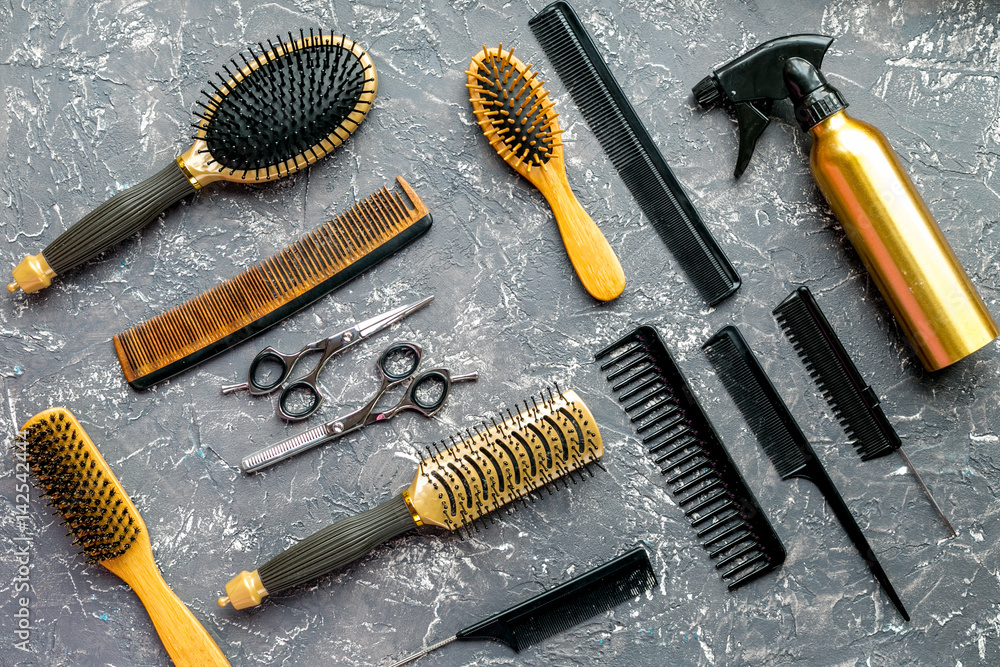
x: 709, y: 487
x: 627, y: 142
x: 782, y: 439
x: 561, y: 607
x: 855, y: 404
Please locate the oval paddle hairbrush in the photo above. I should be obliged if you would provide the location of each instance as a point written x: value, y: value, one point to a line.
x: 516, y: 115
x: 280, y: 109
x: 81, y: 486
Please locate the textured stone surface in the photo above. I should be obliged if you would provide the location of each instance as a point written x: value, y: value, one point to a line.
x: 97, y: 96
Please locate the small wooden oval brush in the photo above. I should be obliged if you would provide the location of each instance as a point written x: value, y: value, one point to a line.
x: 481, y: 472
x: 517, y: 116
x: 109, y: 530
x: 279, y: 110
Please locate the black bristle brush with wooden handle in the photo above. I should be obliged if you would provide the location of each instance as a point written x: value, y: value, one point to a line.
x: 517, y: 116
x: 480, y: 472
x: 108, y: 528
x: 280, y: 109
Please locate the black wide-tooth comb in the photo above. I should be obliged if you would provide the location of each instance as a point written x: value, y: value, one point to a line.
x: 631, y: 149
x: 782, y: 439
x: 855, y: 403
x: 562, y: 607
x: 710, y: 490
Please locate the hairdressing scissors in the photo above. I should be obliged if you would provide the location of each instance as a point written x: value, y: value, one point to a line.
x: 396, y: 365
x: 301, y: 398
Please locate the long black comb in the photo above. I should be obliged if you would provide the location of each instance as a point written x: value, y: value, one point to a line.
x: 562, y: 607
x: 627, y: 142
x: 855, y: 403
x: 780, y: 436
x: 715, y: 498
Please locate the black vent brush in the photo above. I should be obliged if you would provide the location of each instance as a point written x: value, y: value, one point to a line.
x: 716, y: 500
x: 631, y: 149
x: 562, y: 607
x: 279, y: 109
x: 855, y: 404
x: 782, y: 439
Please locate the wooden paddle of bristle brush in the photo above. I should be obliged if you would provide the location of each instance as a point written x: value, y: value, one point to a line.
x: 517, y: 116
x: 109, y: 530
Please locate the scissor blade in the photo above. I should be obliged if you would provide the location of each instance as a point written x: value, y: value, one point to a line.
x: 379, y: 322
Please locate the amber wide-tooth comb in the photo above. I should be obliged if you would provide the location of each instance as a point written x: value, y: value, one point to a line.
x: 265, y: 294
x: 481, y: 472
x: 517, y: 116
x: 108, y: 528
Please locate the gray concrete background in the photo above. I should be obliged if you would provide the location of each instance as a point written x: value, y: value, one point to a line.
x: 97, y: 96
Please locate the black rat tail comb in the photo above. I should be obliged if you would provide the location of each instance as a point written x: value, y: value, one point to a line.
x: 782, y: 439
x: 715, y: 498
x: 560, y: 608
x: 456, y: 487
x: 280, y: 109
x: 855, y: 404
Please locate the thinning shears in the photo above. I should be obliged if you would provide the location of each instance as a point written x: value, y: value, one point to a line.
x: 396, y: 365
x: 301, y: 398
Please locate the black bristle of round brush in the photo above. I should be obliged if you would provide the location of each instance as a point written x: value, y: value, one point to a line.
x: 78, y: 489
x: 520, y: 109
x: 286, y: 106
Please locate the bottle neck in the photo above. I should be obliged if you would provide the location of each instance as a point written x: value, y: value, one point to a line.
x: 830, y: 124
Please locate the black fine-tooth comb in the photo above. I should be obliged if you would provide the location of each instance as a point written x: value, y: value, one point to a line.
x: 780, y: 436
x: 562, y: 607
x: 855, y: 404
x: 631, y: 149
x: 709, y: 487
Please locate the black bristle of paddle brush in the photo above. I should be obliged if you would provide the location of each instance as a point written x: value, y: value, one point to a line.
x: 77, y: 487
x: 285, y: 106
x: 568, y: 604
x: 759, y: 402
x: 708, y: 486
x: 632, y: 151
x: 854, y: 403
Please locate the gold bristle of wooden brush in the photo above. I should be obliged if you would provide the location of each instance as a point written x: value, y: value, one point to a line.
x: 109, y: 529
x: 515, y: 113
x: 270, y: 291
x: 481, y: 471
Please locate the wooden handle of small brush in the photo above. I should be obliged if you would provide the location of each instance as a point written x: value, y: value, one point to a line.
x: 187, y: 642
x: 595, y: 262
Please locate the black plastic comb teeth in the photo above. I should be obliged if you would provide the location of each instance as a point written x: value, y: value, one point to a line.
x: 855, y: 404
x: 780, y: 436
x: 709, y: 487
x: 627, y: 142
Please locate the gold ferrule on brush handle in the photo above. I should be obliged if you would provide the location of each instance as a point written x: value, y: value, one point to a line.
x: 32, y: 274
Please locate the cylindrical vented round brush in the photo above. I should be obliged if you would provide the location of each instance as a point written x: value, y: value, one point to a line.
x: 278, y: 110
x: 517, y: 116
x: 109, y: 530
x: 455, y: 487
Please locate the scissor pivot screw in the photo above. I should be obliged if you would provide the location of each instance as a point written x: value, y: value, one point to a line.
x: 338, y: 427
x: 348, y: 337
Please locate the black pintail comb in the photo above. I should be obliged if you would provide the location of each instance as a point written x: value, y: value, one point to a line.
x: 855, y: 403
x: 716, y: 500
x: 781, y: 438
x: 560, y: 608
x: 631, y: 149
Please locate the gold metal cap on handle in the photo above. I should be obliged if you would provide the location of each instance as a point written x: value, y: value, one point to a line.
x: 32, y: 274
x: 244, y: 590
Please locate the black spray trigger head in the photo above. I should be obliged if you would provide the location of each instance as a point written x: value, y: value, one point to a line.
x: 750, y: 84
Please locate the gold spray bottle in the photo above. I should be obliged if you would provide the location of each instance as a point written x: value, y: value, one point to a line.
x: 865, y: 184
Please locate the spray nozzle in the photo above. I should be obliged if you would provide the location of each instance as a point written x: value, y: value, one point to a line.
x: 782, y: 67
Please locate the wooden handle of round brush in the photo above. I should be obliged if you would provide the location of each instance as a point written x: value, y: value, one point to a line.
x: 595, y: 262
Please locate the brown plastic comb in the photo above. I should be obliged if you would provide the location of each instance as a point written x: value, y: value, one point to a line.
x: 274, y: 289
x: 109, y: 530
x: 481, y: 472
x: 517, y: 116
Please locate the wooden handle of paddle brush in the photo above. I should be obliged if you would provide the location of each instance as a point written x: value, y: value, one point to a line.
x: 594, y: 261
x: 187, y: 642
